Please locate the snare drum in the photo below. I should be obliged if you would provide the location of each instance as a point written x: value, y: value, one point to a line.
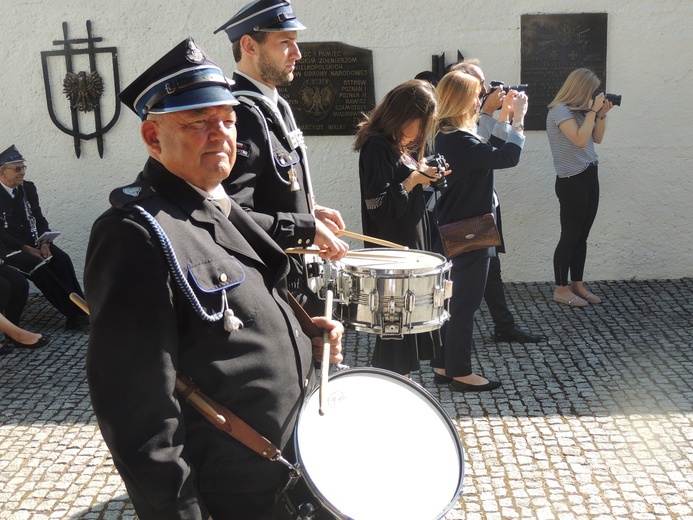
x: 384, y: 448
x: 393, y: 292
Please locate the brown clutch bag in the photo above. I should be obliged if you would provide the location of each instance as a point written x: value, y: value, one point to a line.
x: 469, y: 234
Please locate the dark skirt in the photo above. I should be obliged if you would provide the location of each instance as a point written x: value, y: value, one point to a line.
x: 403, y: 355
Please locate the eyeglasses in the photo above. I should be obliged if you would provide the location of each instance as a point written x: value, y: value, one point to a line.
x: 16, y: 169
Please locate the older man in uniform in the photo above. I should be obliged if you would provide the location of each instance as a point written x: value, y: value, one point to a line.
x: 271, y: 177
x: 26, y: 246
x: 180, y: 281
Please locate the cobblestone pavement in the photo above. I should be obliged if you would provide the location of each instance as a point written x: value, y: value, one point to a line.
x: 595, y: 423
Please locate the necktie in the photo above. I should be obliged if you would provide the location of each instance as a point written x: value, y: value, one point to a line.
x: 14, y: 192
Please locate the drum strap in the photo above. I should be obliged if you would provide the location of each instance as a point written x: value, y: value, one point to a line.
x: 229, y: 422
x: 225, y: 419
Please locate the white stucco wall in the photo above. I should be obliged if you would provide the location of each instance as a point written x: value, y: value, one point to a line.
x: 643, y: 227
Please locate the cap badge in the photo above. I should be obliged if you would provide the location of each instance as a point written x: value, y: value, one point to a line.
x: 194, y: 54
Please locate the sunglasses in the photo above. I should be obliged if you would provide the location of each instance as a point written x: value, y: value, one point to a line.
x: 16, y: 169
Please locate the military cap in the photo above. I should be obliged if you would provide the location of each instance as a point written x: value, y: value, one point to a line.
x: 11, y: 155
x: 183, y: 79
x: 262, y: 16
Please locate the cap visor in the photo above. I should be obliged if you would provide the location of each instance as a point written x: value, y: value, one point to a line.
x: 208, y: 96
x: 287, y: 25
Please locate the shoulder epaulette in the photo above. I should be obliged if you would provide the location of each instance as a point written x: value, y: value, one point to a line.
x: 130, y: 195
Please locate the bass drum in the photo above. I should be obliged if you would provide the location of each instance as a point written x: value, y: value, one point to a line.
x: 384, y: 448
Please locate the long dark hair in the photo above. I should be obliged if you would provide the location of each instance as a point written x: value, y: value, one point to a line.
x: 407, y: 102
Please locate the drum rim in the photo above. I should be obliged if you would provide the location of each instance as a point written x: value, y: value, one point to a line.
x: 412, y: 384
x: 443, y: 266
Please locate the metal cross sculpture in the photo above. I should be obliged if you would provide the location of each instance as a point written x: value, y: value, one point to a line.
x: 82, y: 89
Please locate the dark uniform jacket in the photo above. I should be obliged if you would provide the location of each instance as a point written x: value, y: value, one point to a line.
x: 15, y: 230
x: 259, y: 181
x: 471, y: 182
x: 145, y: 331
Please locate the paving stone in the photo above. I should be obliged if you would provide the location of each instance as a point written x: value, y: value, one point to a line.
x: 595, y: 423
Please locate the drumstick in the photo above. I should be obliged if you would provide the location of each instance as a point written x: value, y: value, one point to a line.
x: 299, y: 251
x: 375, y: 255
x: 372, y: 240
x: 325, y: 367
x: 79, y: 302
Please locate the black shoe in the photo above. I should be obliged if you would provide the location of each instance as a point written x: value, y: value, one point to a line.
x: 43, y: 341
x: 459, y: 386
x: 517, y: 335
x: 6, y: 348
x: 441, y: 379
x: 80, y: 322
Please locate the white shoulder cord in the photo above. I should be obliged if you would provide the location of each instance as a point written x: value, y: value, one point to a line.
x: 294, y: 137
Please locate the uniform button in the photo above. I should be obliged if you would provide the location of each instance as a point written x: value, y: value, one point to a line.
x: 297, y: 333
x: 223, y: 277
x: 308, y: 241
x: 300, y: 241
x: 306, y: 383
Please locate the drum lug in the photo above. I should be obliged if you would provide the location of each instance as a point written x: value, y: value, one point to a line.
x: 410, y: 301
x: 442, y: 293
x: 373, y: 301
x: 448, y: 289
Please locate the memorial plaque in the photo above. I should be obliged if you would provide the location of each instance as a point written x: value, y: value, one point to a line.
x: 553, y: 45
x: 333, y: 87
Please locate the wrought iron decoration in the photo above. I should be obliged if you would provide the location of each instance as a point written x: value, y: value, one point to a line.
x: 83, y: 89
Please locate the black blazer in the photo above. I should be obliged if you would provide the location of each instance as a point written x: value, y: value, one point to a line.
x: 15, y: 230
x: 144, y: 330
x: 470, y: 183
x: 259, y: 181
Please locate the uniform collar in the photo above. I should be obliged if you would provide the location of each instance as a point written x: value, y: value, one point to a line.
x: 271, y: 93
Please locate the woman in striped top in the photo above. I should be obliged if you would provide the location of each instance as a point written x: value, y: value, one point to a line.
x: 575, y: 122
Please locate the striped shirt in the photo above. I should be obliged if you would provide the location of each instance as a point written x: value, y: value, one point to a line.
x: 568, y: 159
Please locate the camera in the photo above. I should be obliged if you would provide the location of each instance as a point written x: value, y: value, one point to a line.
x: 522, y: 87
x: 439, y: 162
x: 614, y: 98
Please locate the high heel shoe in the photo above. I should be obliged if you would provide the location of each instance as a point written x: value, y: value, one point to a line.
x: 43, y: 341
x: 459, y: 386
x: 441, y: 379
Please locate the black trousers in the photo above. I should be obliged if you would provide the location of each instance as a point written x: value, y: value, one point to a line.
x: 494, y: 295
x: 14, y: 291
x: 55, y: 279
x: 579, y: 199
x: 468, y: 275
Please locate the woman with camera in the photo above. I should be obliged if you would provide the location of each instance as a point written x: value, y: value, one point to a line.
x: 575, y: 122
x: 393, y: 206
x: 469, y: 194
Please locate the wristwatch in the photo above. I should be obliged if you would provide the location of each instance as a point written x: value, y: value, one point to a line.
x: 518, y: 126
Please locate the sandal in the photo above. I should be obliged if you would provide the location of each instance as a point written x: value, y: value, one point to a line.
x: 575, y: 301
x: 591, y: 298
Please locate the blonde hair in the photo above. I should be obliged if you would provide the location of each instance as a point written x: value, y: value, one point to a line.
x: 577, y: 90
x: 457, y: 94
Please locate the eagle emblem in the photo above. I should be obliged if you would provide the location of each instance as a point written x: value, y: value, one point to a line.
x: 316, y: 97
x: 194, y: 54
x: 83, y: 90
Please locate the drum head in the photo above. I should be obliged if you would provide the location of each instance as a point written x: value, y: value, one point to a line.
x: 392, y: 261
x: 384, y: 448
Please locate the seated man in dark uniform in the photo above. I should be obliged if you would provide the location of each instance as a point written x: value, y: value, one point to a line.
x: 25, y: 248
x: 181, y: 281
